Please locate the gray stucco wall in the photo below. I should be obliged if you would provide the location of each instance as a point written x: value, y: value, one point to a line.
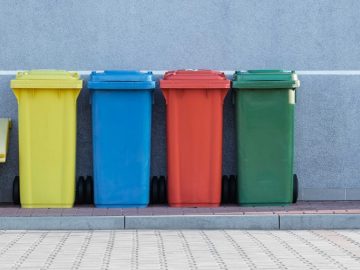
x: 213, y: 34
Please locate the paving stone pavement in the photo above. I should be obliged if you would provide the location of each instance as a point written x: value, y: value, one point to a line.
x: 187, y: 249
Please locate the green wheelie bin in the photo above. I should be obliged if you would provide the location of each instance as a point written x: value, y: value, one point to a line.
x: 265, y: 101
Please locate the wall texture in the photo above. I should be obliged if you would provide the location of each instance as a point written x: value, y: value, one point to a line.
x: 213, y: 34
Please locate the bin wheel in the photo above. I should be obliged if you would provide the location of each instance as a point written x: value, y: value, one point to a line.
x: 88, y: 190
x: 80, y: 190
x: 295, y: 188
x: 16, y: 190
x: 232, y: 189
x: 162, y: 189
x: 236, y: 190
x: 154, y: 190
x: 225, y: 190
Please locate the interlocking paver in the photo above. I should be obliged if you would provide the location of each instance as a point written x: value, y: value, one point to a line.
x: 189, y: 249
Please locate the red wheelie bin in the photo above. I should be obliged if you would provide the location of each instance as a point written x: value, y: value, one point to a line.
x: 194, y: 101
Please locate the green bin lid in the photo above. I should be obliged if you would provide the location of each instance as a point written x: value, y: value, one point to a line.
x: 265, y: 79
x: 47, y: 79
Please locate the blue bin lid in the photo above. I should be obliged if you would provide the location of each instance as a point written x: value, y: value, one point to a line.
x: 121, y: 79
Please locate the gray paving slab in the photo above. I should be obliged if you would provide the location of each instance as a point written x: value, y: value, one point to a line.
x: 313, y: 215
x: 248, y: 222
x: 319, y: 221
x: 62, y: 223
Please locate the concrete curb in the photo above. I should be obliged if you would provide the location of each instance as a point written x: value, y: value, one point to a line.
x: 243, y: 222
x: 185, y: 222
x: 319, y: 221
x: 62, y: 223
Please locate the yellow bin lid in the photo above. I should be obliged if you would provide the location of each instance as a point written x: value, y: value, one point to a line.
x: 47, y: 79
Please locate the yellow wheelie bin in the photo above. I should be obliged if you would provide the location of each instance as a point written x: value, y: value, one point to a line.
x: 47, y: 101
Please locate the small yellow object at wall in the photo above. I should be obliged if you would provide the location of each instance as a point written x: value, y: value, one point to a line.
x: 5, y: 125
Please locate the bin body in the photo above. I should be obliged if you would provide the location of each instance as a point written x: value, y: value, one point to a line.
x: 194, y: 136
x: 121, y: 117
x: 47, y: 102
x: 265, y: 136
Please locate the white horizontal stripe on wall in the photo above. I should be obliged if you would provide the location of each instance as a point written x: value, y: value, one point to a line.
x: 227, y: 72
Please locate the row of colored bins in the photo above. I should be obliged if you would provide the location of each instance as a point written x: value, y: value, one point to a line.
x: 121, y: 114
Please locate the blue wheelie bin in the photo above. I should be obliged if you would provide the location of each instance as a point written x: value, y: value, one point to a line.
x: 121, y: 122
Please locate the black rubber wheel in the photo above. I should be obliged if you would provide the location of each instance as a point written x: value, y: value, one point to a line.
x: 162, y: 190
x: 89, y: 190
x: 166, y: 191
x: 80, y: 190
x: 232, y: 189
x: 154, y: 198
x: 225, y: 190
x: 295, y: 188
x: 236, y: 190
x: 16, y: 190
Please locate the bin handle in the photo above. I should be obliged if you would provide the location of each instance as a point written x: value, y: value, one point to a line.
x: 224, y: 93
x: 166, y: 93
x: 292, y: 96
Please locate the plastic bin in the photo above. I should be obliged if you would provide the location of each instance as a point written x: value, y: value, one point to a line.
x: 265, y: 102
x: 47, y: 137
x: 121, y: 117
x: 194, y: 101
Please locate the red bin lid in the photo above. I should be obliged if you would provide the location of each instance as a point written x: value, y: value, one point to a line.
x: 194, y: 79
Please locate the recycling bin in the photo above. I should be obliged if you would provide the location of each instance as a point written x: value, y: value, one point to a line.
x: 194, y: 100
x: 121, y: 122
x: 265, y: 102
x: 47, y: 137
